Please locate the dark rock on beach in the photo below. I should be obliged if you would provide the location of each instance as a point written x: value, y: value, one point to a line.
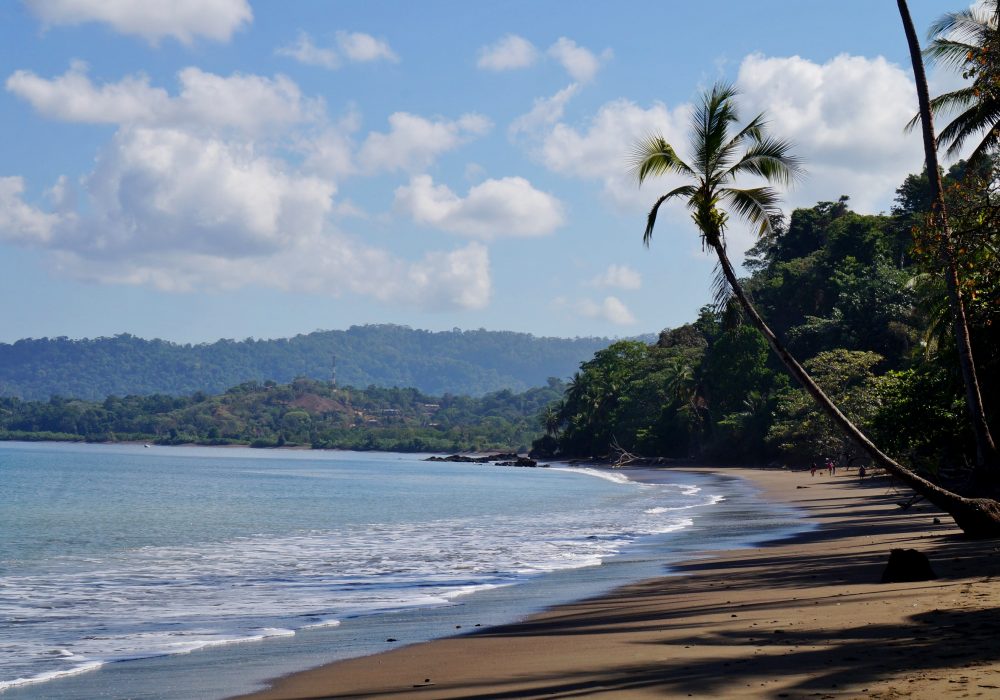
x: 907, y: 565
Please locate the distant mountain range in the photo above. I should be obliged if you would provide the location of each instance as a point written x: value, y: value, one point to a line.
x: 450, y: 362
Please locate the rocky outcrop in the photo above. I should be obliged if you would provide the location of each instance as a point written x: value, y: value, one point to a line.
x: 502, y: 459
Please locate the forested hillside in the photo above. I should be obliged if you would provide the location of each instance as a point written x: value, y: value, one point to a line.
x: 860, y: 300
x: 453, y: 362
x: 305, y: 412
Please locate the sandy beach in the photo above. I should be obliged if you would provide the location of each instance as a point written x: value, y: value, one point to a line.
x: 800, y: 618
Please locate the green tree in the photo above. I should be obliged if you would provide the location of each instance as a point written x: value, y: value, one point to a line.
x: 969, y: 41
x: 987, y: 457
x: 803, y: 433
x: 720, y: 158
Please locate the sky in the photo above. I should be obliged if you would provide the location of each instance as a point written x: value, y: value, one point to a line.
x: 205, y: 169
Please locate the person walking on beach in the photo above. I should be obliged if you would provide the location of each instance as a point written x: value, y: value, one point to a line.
x: 812, y: 472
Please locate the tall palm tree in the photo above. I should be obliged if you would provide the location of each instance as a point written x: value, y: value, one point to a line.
x: 968, y: 40
x: 720, y: 157
x: 987, y: 457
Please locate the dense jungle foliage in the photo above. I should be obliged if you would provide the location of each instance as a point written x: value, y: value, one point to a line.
x: 305, y: 412
x: 456, y: 362
x: 860, y: 299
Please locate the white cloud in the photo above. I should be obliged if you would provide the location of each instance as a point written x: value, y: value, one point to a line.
x: 254, y: 106
x: 610, y: 309
x: 180, y: 212
x: 19, y: 221
x: 72, y: 97
x: 604, y: 148
x: 167, y: 189
x: 193, y: 192
x: 184, y: 20
x: 495, y: 208
x: 508, y: 53
x: 619, y: 276
x: 413, y: 142
x: 601, y: 150
x: 544, y: 112
x: 580, y: 63
x: 246, y: 102
x: 846, y: 119
x: 330, y: 153
x: 159, y: 190
x: 355, y: 47
x: 474, y: 172
x: 359, y: 47
x: 332, y: 265
x: 305, y: 51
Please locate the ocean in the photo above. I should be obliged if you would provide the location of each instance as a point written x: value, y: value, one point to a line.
x: 183, y: 572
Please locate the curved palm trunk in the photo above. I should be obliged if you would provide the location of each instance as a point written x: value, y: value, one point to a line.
x: 978, y: 517
x: 987, y: 457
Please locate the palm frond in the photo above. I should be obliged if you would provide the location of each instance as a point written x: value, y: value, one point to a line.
x: 757, y: 206
x: 948, y: 52
x: 727, y: 150
x: 654, y: 156
x: 969, y: 24
x: 711, y: 125
x: 973, y: 121
x: 682, y: 191
x: 754, y: 130
x: 954, y: 101
x: 988, y: 143
x: 722, y: 293
x: 721, y: 153
x: 771, y: 159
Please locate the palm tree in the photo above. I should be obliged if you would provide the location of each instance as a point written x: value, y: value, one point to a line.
x: 720, y: 157
x: 552, y: 417
x: 987, y: 457
x: 968, y: 41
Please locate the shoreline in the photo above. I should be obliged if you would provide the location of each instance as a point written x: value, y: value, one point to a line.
x: 803, y: 616
x: 632, y: 547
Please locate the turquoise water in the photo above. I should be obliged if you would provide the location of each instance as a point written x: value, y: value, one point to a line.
x: 128, y: 571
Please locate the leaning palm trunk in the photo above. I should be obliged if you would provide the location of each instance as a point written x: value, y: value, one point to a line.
x: 987, y: 458
x: 720, y: 159
x: 978, y: 517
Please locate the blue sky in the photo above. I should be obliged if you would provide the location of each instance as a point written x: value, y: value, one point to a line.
x: 224, y: 168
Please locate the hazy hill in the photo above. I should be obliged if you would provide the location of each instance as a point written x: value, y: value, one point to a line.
x: 456, y: 362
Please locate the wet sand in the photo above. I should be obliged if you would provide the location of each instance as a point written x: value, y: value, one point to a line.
x: 801, y: 618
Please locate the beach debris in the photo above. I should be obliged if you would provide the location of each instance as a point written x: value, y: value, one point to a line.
x: 620, y: 457
x: 905, y: 505
x: 907, y: 565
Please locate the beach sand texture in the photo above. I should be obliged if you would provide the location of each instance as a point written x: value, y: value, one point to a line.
x: 800, y: 618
